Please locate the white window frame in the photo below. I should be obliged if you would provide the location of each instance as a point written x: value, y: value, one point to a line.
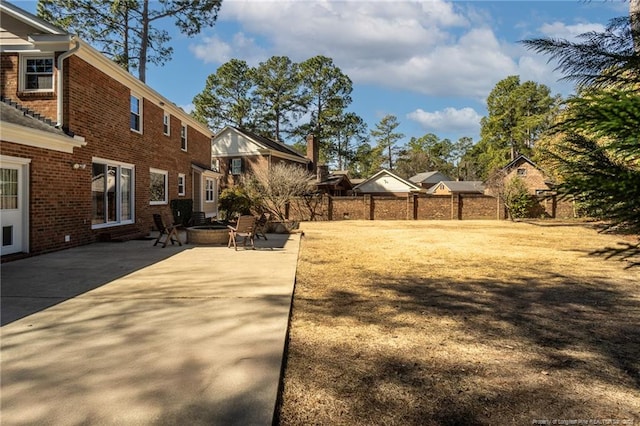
x: 521, y: 172
x: 181, y: 184
x: 236, y: 166
x: 140, y: 100
x: 209, y: 190
x: 215, y: 165
x: 183, y: 137
x: 166, y: 124
x: 166, y: 187
x: 132, y: 199
x: 23, y: 72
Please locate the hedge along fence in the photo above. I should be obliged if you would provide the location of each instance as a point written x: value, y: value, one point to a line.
x: 412, y: 207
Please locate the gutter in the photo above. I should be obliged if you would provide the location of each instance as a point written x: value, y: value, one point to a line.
x: 61, y: 59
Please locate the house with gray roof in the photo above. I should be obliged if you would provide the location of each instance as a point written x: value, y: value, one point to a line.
x: 448, y: 187
x: 428, y: 179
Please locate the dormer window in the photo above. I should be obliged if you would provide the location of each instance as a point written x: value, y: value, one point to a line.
x: 37, y: 73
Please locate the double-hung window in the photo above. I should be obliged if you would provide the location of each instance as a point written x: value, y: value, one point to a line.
x: 166, y: 124
x: 112, y: 193
x: 181, y: 185
x: 158, y: 186
x: 210, y: 190
x: 183, y: 137
x: 37, y: 74
x: 236, y: 166
x: 136, y: 113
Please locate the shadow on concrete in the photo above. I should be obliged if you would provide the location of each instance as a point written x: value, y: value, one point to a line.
x: 181, y: 335
x: 36, y: 283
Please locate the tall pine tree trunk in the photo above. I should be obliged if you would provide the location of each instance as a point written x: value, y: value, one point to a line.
x: 144, y: 42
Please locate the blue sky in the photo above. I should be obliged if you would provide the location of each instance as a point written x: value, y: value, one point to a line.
x: 429, y: 63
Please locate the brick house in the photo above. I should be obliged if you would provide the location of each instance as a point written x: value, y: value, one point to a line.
x: 541, y: 188
x: 87, y: 150
x: 236, y: 152
x: 534, y: 178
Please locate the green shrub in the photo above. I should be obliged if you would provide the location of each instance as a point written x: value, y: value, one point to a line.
x: 234, y: 202
x: 517, y: 199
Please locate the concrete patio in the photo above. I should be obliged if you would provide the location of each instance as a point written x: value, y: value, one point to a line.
x: 128, y: 333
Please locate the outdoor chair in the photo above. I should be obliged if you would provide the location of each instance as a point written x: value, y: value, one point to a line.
x: 261, y: 226
x: 245, y: 228
x: 169, y: 232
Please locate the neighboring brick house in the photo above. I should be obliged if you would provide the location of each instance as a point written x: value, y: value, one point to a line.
x: 541, y: 187
x: 236, y: 152
x: 87, y: 150
x: 385, y: 182
x: 336, y: 183
x: 533, y: 177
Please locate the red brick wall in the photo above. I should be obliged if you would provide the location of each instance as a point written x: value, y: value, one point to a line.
x: 44, y: 103
x: 354, y: 208
x: 249, y: 163
x: 413, y: 207
x: 565, y: 209
x: 97, y: 109
x: 57, y: 198
x: 386, y: 208
x: 478, y: 207
x: 434, y: 207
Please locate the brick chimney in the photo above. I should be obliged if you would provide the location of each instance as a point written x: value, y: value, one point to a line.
x: 322, y: 173
x: 313, y: 151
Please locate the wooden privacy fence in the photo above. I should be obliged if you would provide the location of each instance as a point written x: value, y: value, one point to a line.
x: 414, y: 207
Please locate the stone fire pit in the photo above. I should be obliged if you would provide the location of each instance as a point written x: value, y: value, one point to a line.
x: 208, y: 234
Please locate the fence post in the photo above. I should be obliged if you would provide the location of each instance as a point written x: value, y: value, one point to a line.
x: 368, y: 207
x: 411, y: 206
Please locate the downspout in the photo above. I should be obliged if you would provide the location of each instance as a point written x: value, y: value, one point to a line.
x: 61, y: 59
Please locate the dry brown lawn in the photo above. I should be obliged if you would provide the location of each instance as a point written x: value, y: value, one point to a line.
x: 461, y: 323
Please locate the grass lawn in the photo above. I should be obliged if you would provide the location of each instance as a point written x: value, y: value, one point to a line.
x: 461, y: 323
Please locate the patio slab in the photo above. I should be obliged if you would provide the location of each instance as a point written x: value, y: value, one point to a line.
x: 127, y: 333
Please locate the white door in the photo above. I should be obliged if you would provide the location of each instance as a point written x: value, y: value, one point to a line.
x: 13, y: 196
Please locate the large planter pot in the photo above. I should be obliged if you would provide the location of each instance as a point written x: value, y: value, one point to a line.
x: 283, y: 227
x: 207, y: 234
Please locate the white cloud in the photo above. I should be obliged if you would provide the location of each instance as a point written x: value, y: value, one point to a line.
x: 216, y: 50
x: 433, y: 47
x: 569, y: 32
x: 212, y: 50
x: 448, y: 120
